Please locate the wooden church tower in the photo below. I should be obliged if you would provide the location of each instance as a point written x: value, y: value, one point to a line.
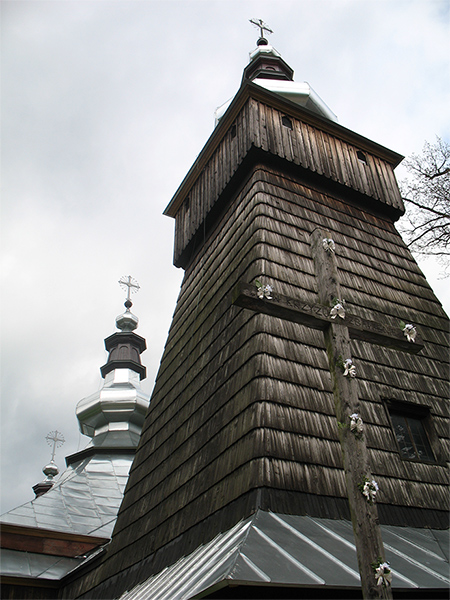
x: 303, y: 385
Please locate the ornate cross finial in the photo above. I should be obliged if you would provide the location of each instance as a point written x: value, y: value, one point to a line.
x: 129, y: 284
x: 55, y: 439
x: 261, y: 26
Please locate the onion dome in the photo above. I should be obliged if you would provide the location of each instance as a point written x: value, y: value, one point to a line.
x: 50, y: 470
x: 54, y: 439
x: 113, y: 416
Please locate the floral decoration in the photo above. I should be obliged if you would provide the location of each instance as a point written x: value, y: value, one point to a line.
x: 369, y: 489
x: 356, y: 425
x: 383, y: 574
x: 410, y: 332
x: 328, y: 245
x: 338, y: 309
x: 264, y: 291
x: 349, y: 368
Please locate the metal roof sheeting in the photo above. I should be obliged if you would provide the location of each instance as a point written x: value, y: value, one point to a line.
x: 37, y: 566
x: 85, y: 500
x: 276, y: 549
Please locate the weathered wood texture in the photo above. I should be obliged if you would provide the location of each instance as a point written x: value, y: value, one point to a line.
x: 259, y: 125
x: 243, y: 401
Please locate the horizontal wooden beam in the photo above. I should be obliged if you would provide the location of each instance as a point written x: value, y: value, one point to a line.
x: 317, y: 316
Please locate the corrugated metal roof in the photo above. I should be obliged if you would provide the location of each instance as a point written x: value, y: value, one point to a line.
x: 276, y: 549
x: 85, y: 500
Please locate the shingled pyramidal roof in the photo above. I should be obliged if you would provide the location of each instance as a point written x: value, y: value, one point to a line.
x: 47, y: 537
x: 238, y: 479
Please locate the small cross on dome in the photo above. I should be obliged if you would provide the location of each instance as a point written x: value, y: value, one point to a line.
x: 131, y: 286
x: 259, y: 23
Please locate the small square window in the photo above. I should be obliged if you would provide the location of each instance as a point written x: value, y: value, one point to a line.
x: 413, y: 431
x: 411, y: 436
x: 286, y: 121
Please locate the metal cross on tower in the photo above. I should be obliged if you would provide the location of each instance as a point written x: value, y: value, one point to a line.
x: 56, y: 439
x: 261, y: 26
x: 130, y: 284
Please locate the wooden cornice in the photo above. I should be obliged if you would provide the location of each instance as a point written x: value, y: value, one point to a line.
x: 46, y: 541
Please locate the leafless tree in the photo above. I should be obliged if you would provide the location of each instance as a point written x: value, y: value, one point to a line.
x: 426, y: 192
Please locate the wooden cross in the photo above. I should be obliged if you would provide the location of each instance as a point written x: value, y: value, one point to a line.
x: 338, y: 333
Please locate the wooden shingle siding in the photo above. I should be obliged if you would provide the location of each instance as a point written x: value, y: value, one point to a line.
x: 242, y: 413
x: 307, y: 146
x: 244, y: 400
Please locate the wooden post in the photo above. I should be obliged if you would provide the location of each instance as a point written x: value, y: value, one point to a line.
x: 364, y: 515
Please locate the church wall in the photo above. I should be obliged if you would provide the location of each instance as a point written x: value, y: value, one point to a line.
x: 243, y: 401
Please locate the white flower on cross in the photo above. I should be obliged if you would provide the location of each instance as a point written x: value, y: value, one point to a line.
x: 410, y: 332
x: 356, y: 424
x: 383, y: 574
x: 328, y: 245
x: 349, y: 368
x: 264, y: 291
x: 338, y: 310
x: 369, y: 490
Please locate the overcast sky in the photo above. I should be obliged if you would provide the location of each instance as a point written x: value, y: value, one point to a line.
x: 105, y: 106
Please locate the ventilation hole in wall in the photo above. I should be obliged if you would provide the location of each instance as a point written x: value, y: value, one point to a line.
x: 286, y: 122
x: 361, y: 157
x: 233, y: 131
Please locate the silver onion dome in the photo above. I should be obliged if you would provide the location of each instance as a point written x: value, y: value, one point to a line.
x: 113, y: 416
x: 50, y: 470
x: 127, y: 321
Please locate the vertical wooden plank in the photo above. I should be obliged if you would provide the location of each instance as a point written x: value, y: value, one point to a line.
x: 342, y: 162
x: 216, y: 181
x: 323, y: 146
x: 286, y: 138
x: 279, y: 130
x: 397, y: 199
x: 373, y: 178
x: 227, y: 159
x: 362, y: 170
x: 296, y: 153
x: 221, y: 165
x: 263, y: 127
x: 378, y: 178
x: 300, y: 144
x: 255, y: 126
x: 355, y: 168
x: 352, y: 181
x: 340, y: 169
x: 271, y: 137
x: 311, y: 132
x: 332, y: 159
x: 383, y: 180
x: 391, y: 184
x: 307, y: 146
x: 206, y: 201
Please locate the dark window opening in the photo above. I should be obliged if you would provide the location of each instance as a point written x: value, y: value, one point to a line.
x: 233, y: 131
x: 361, y: 157
x: 286, y: 122
x: 411, y: 436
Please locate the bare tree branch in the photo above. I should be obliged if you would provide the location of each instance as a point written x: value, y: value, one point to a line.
x: 426, y: 225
